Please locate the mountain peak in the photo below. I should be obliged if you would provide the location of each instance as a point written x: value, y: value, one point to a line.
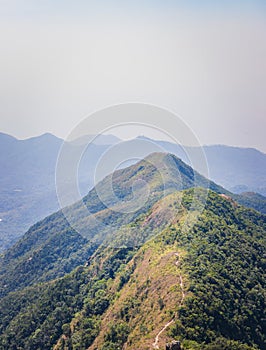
x: 159, y: 174
x: 166, y: 159
x: 45, y: 137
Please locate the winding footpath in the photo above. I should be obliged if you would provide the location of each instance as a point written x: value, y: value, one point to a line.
x: 156, y: 341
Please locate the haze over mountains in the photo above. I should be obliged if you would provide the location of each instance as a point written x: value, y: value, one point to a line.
x: 27, y: 181
x: 187, y: 264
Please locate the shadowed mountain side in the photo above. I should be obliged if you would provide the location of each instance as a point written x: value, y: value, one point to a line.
x: 27, y: 182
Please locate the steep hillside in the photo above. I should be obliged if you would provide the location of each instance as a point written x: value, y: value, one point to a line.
x: 203, y: 285
x: 196, y: 286
x: 252, y: 200
x: 235, y: 168
x: 52, y: 247
x: 27, y: 186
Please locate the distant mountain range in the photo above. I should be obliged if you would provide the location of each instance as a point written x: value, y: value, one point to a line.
x: 137, y: 278
x: 27, y: 180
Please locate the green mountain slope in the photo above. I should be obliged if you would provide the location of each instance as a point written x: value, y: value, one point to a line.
x: 52, y: 247
x: 203, y: 285
x: 252, y: 200
x: 28, y: 167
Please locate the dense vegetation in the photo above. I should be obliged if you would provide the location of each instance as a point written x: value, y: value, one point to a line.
x: 52, y: 248
x: 35, y: 317
x: 127, y: 295
x: 225, y: 262
x: 252, y: 200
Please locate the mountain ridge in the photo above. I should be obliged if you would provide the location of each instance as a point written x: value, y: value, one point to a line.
x: 28, y: 190
x: 161, y: 172
x: 92, y: 222
x: 124, y: 297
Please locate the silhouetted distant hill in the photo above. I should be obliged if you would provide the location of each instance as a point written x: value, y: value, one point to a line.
x: 97, y: 140
x: 27, y: 181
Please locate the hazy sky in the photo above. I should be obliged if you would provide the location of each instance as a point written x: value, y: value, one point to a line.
x: 204, y: 60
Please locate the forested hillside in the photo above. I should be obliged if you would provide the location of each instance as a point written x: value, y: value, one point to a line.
x: 52, y: 247
x: 203, y: 285
x: 28, y: 168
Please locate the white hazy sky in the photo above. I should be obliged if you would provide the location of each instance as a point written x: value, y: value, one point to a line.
x: 204, y: 60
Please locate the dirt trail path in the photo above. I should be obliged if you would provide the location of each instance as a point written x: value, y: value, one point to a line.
x: 156, y: 341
